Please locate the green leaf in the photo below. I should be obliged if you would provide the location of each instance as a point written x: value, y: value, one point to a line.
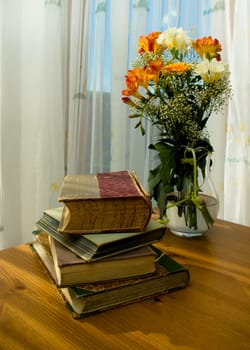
x: 142, y: 130
x: 154, y: 181
x: 131, y: 116
x: 161, y: 200
x: 167, y: 157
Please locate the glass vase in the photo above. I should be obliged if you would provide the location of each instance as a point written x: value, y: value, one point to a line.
x: 193, y: 218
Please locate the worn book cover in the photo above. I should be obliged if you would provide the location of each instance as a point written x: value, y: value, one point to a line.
x: 70, y: 269
x: 96, y: 246
x: 90, y: 299
x: 103, y: 202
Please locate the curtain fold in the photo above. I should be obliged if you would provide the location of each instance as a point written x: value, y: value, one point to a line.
x: 32, y: 126
x: 237, y: 161
x: 63, y: 66
x: 10, y: 123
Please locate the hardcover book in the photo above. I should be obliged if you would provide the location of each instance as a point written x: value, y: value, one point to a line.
x: 96, y: 246
x: 87, y: 300
x: 69, y: 269
x: 103, y: 202
x: 91, y: 298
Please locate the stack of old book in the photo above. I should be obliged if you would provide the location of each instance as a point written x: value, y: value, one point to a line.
x: 98, y: 246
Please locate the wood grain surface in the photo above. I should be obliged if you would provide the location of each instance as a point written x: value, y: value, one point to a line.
x: 212, y: 313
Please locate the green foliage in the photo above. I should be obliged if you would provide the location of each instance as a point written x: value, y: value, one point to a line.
x: 177, y: 84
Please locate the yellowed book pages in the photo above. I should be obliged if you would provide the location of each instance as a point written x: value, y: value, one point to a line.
x: 104, y: 202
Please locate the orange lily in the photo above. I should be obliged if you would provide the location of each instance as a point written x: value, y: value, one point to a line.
x: 148, y: 43
x: 208, y: 47
x: 154, y: 69
x: 135, y: 78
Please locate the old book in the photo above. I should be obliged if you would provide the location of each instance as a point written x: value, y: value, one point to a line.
x: 42, y: 248
x: 70, y: 269
x: 90, y: 299
x: 96, y: 246
x: 103, y: 202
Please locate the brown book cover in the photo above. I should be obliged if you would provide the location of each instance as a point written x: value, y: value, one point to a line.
x: 91, y: 298
x: 67, y: 269
x: 104, y: 202
x: 96, y: 246
x: 86, y: 300
x: 71, y: 269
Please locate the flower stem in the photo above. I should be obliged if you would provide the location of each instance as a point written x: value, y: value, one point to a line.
x: 193, y: 197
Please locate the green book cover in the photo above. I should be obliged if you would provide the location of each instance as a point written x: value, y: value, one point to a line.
x: 96, y: 246
x: 85, y: 300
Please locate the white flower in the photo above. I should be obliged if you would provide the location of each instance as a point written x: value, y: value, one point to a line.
x: 212, y: 71
x: 175, y: 38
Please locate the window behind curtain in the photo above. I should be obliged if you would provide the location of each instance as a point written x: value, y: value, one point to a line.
x: 108, y: 139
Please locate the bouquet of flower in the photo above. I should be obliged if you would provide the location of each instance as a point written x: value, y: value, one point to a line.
x: 176, y: 83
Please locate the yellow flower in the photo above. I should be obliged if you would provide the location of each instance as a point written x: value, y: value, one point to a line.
x: 212, y: 71
x: 178, y: 68
x: 174, y: 38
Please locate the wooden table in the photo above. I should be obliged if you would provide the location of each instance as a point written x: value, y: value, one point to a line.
x: 212, y: 313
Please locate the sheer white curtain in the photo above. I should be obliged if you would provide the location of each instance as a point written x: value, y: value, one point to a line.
x: 31, y: 115
x: 62, y: 72
x: 87, y: 99
x: 217, y: 123
x: 237, y: 162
